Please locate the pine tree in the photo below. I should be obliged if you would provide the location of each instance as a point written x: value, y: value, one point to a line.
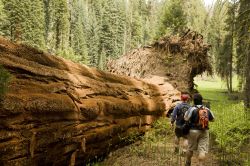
x: 93, y: 30
x: 196, y: 15
x: 77, y: 39
x: 152, y: 13
x: 225, y: 59
x: 216, y: 30
x: 243, y: 47
x: 25, y: 21
x: 135, y: 25
x: 58, y: 26
x: 113, y: 27
x: 174, y: 19
x: 3, y: 19
x: 47, y: 19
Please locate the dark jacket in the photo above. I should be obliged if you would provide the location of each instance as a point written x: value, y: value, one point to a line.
x: 177, y: 116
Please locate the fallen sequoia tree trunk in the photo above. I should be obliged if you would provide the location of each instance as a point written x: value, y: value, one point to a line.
x: 57, y: 112
x: 173, y: 59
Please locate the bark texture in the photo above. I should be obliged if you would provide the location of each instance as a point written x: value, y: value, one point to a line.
x: 57, y: 112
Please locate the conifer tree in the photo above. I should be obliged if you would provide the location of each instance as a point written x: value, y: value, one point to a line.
x: 216, y: 30
x: 93, y: 31
x: 174, y: 19
x: 225, y: 60
x: 58, y: 33
x: 243, y: 47
x: 113, y: 24
x: 136, y: 27
x: 25, y: 21
x: 196, y: 15
x: 47, y: 19
x: 3, y: 19
x: 77, y: 39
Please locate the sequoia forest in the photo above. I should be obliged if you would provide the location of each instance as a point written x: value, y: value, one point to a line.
x: 105, y: 82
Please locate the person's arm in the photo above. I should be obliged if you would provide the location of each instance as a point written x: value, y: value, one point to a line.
x: 211, y: 116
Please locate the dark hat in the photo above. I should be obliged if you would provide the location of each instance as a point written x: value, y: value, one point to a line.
x: 197, y: 99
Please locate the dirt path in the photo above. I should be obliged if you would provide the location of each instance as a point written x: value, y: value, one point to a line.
x: 153, y: 150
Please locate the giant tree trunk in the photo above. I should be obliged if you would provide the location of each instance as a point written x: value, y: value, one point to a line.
x: 57, y: 112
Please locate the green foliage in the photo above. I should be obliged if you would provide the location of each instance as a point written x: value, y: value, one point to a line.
x: 226, y: 53
x: 3, y: 18
x: 77, y: 38
x: 59, y: 25
x: 197, y: 16
x: 232, y: 129
x: 89, y: 31
x: 25, y: 21
x: 216, y: 31
x: 162, y: 128
x: 243, y: 47
x: 4, y: 79
x: 174, y: 19
x: 93, y: 31
x: 224, y: 57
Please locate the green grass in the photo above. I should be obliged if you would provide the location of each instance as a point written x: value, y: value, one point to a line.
x: 231, y: 126
x: 214, y: 83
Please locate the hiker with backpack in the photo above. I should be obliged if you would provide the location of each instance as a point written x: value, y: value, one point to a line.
x: 178, y: 118
x: 198, y: 117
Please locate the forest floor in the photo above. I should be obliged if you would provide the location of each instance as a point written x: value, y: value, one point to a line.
x: 156, y: 148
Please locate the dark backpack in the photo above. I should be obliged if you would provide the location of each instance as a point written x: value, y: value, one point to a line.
x: 184, y: 128
x: 181, y: 112
x: 202, y: 118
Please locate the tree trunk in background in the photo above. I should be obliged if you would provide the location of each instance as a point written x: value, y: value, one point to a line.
x: 247, y: 86
x: 243, y: 54
x: 231, y: 61
x: 47, y: 19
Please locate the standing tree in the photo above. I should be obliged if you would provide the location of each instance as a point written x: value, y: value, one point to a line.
x: 216, y: 31
x: 59, y: 26
x: 174, y: 19
x: 197, y: 16
x: 77, y: 39
x: 135, y: 25
x: 25, y: 21
x: 93, y: 24
x: 225, y: 59
x: 3, y: 19
x: 113, y: 27
x: 243, y: 47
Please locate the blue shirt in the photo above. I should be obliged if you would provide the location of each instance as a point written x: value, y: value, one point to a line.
x: 176, y: 116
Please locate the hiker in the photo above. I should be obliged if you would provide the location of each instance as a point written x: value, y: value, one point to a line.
x: 198, y: 137
x: 178, y: 118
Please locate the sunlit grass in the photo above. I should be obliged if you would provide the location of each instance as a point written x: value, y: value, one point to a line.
x: 214, y: 83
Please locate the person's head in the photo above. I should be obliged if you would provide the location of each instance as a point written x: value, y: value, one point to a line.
x: 184, y: 96
x: 197, y: 99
